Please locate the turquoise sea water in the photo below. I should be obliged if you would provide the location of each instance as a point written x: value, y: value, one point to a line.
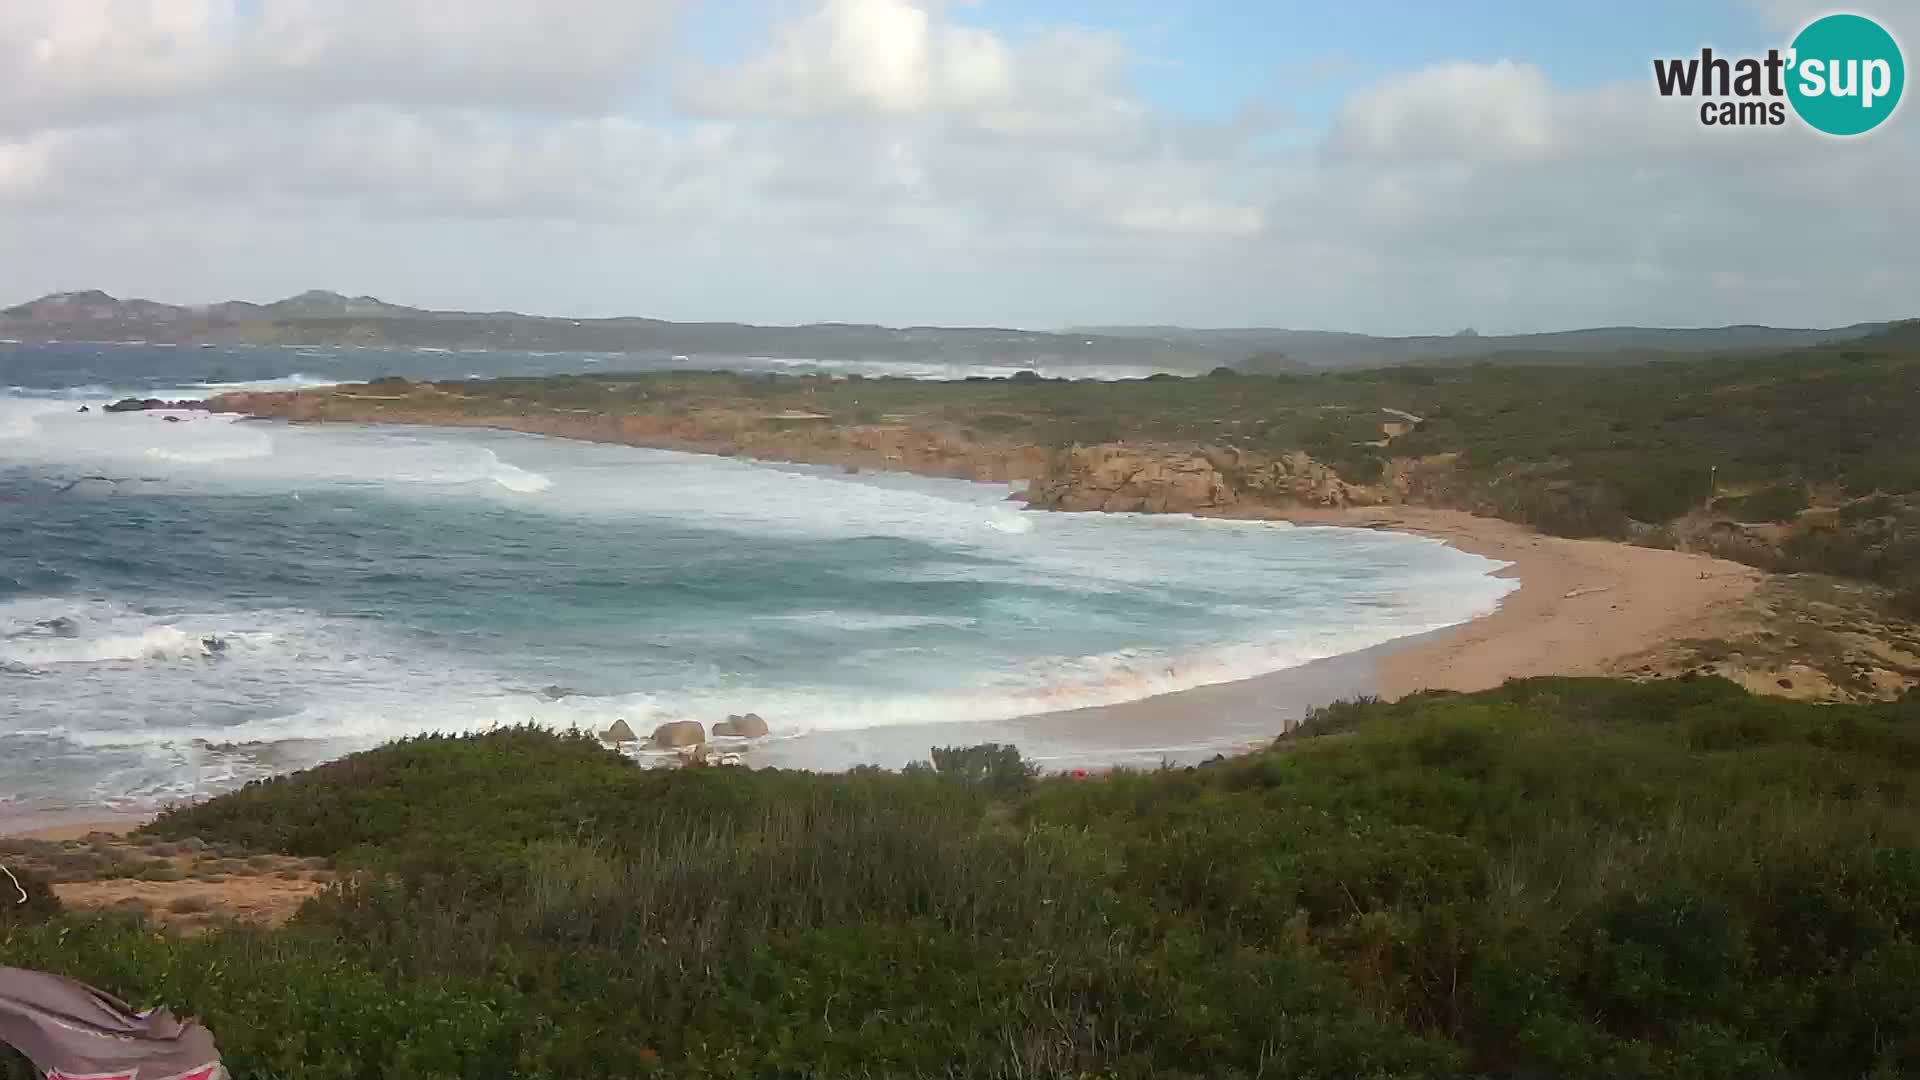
x: 187, y: 605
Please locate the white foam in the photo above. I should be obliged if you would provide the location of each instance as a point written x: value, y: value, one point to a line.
x: 142, y: 684
x: 161, y: 643
x: 296, y: 381
x: 866, y: 620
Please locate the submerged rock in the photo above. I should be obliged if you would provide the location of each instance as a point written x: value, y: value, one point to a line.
x: 749, y: 726
x: 619, y: 733
x: 60, y: 626
x: 678, y: 733
x: 214, y: 644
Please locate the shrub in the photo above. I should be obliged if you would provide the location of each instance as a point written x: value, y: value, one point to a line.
x: 1561, y: 877
x: 990, y: 766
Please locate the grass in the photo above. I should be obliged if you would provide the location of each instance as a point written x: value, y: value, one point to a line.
x: 1559, y: 878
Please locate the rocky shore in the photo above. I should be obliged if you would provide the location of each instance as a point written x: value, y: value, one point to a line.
x: 1112, y: 477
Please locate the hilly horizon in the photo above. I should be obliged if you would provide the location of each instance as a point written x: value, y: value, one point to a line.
x: 325, y: 317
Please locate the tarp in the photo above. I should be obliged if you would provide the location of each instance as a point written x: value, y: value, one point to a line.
x: 70, y: 1031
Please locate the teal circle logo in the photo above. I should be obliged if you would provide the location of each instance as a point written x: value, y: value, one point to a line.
x: 1846, y: 75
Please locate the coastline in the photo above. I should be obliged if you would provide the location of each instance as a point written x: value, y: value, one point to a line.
x: 1583, y: 607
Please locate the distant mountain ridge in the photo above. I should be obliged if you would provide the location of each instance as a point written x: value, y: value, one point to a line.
x: 321, y: 317
x: 1328, y: 348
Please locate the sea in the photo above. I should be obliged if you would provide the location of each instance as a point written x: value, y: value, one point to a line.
x: 186, y: 606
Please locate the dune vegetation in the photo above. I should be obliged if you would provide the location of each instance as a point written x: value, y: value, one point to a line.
x: 1567, y: 878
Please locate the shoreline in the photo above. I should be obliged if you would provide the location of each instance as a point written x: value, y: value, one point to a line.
x: 1583, y: 607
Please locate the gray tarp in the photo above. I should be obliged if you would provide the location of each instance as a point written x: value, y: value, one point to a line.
x: 69, y: 1029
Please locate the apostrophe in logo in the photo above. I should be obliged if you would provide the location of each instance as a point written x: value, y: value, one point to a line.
x: 1847, y: 74
x: 1843, y: 75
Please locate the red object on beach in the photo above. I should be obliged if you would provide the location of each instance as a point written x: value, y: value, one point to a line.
x: 1078, y: 774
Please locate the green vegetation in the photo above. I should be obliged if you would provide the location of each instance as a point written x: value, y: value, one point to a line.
x: 1817, y: 441
x: 1567, y: 878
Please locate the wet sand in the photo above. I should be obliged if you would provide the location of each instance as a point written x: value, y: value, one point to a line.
x: 1584, y: 607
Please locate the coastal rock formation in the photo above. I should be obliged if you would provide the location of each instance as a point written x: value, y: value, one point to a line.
x: 147, y: 404
x: 678, y: 733
x: 749, y: 726
x: 619, y: 733
x: 1212, y: 479
x: 1116, y: 476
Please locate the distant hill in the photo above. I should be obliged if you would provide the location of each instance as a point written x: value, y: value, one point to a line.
x: 319, y: 317
x: 1329, y: 349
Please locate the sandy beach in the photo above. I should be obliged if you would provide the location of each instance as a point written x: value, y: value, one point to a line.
x: 68, y: 824
x: 1584, y: 607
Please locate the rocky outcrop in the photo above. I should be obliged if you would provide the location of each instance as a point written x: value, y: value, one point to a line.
x: 1145, y: 478
x: 678, y: 733
x: 620, y: 732
x: 1212, y: 479
x: 145, y: 404
x: 749, y: 726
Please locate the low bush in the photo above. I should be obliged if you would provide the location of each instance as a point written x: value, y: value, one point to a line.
x: 1561, y: 877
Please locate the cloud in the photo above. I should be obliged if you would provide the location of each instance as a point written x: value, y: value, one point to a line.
x: 902, y: 59
x: 1476, y: 111
x: 84, y: 60
x: 894, y: 161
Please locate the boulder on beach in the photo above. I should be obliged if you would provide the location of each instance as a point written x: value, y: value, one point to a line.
x: 678, y: 733
x: 619, y: 733
x: 749, y: 726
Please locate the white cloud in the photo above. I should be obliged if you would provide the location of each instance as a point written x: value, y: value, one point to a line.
x: 1453, y: 112
x: 883, y: 56
x: 886, y: 160
x: 909, y: 58
x: 80, y: 60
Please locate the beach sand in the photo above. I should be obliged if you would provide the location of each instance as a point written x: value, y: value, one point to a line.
x: 68, y: 824
x: 1584, y: 607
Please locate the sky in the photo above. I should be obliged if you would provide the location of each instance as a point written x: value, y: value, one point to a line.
x: 1369, y: 165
